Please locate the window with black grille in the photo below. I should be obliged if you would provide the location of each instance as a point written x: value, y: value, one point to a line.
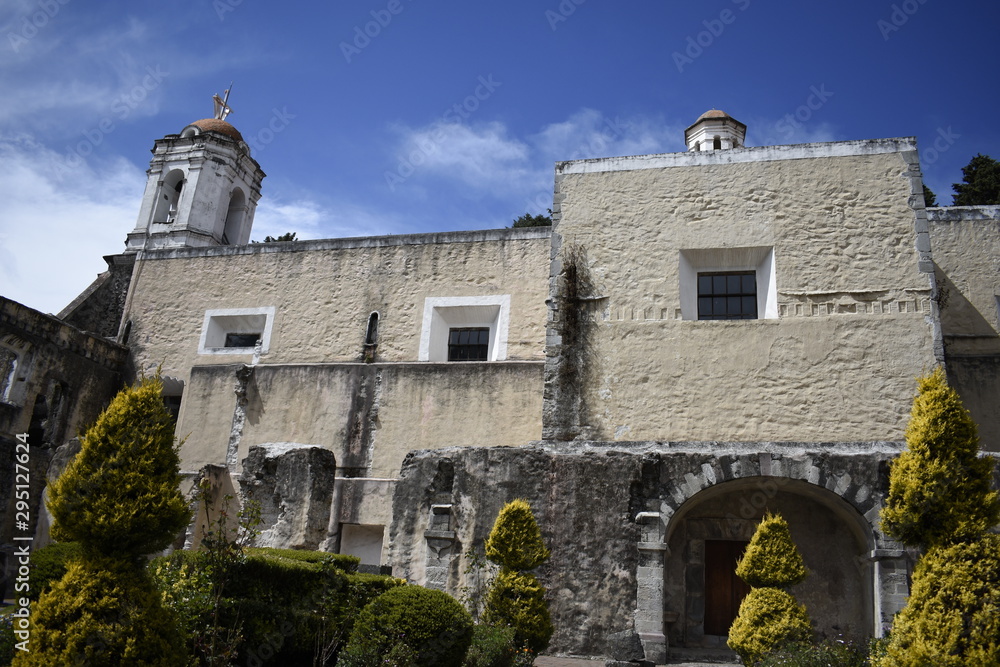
x: 469, y: 344
x: 727, y: 296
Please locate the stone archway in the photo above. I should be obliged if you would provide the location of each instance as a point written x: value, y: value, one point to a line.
x: 834, y: 538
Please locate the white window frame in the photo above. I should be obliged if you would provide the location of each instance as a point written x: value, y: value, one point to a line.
x: 447, y: 312
x: 758, y: 259
x: 222, y: 321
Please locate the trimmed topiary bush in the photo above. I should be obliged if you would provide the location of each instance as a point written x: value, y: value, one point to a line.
x: 771, y: 558
x: 515, y: 541
x: 768, y: 618
x: 103, y: 612
x: 120, y: 496
x: 939, y: 488
x: 952, y: 618
x: 515, y: 597
x: 517, y: 600
x: 429, y: 623
x: 49, y: 565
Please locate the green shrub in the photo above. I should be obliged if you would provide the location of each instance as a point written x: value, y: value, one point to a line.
x: 515, y: 541
x: 517, y: 600
x: 49, y: 564
x: 939, y: 488
x: 7, y: 639
x: 103, y: 612
x: 340, y: 561
x: 120, y: 496
x: 953, y: 615
x: 768, y: 618
x: 430, y: 623
x: 829, y: 653
x: 491, y: 647
x: 771, y: 558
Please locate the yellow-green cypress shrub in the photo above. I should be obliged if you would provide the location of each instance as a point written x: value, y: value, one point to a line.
x: 121, y: 495
x: 105, y: 611
x: 515, y: 597
x: 769, y: 618
x: 515, y: 541
x: 939, y: 488
x: 119, y: 500
x: 771, y: 558
x: 952, y: 618
x: 517, y: 600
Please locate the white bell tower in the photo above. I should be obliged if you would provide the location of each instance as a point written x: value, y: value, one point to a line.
x: 202, y: 188
x: 715, y: 130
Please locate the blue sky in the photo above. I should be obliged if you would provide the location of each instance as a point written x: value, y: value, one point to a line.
x: 396, y: 116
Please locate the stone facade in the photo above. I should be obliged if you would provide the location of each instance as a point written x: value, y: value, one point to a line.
x: 54, y: 380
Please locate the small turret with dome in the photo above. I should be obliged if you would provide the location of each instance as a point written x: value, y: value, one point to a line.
x: 202, y: 187
x: 715, y: 130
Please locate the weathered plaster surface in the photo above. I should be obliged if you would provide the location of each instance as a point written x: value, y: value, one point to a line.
x: 965, y: 242
x: 324, y: 291
x: 854, y: 295
x: 369, y: 415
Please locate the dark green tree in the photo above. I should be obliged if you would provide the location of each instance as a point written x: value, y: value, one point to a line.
x: 288, y: 236
x: 939, y: 487
x: 930, y: 199
x: 980, y: 183
x: 528, y: 220
x: 515, y: 597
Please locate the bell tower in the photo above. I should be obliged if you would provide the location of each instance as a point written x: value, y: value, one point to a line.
x: 715, y: 130
x: 202, y: 188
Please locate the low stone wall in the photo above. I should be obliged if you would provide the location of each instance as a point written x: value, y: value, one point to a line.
x: 608, y: 510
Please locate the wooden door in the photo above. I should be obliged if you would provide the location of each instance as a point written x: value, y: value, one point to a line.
x: 724, y: 591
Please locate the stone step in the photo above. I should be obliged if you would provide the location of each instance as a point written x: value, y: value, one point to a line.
x: 712, y: 656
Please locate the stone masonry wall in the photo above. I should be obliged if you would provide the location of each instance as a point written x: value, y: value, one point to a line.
x: 608, y: 510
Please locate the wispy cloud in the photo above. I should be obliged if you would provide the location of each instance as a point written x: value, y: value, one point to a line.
x: 59, y: 222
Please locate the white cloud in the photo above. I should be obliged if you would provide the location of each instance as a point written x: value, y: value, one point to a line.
x: 590, y: 134
x: 483, y: 156
x: 57, y: 224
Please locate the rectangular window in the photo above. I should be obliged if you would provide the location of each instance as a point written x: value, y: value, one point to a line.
x: 469, y: 344
x: 236, y: 330
x: 242, y: 339
x: 727, y: 296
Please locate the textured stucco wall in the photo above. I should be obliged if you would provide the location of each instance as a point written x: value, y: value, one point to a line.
x: 965, y: 241
x: 853, y: 296
x: 324, y: 291
x: 369, y: 415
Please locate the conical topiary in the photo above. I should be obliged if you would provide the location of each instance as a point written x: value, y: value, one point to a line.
x: 940, y: 488
x: 121, y: 494
x: 953, y: 614
x: 515, y: 597
x: 771, y: 559
x: 517, y: 600
x: 515, y: 541
x: 769, y: 617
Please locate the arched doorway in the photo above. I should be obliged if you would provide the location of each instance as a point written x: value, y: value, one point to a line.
x: 708, y: 532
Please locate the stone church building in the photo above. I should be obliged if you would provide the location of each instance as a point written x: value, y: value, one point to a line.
x: 700, y: 337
